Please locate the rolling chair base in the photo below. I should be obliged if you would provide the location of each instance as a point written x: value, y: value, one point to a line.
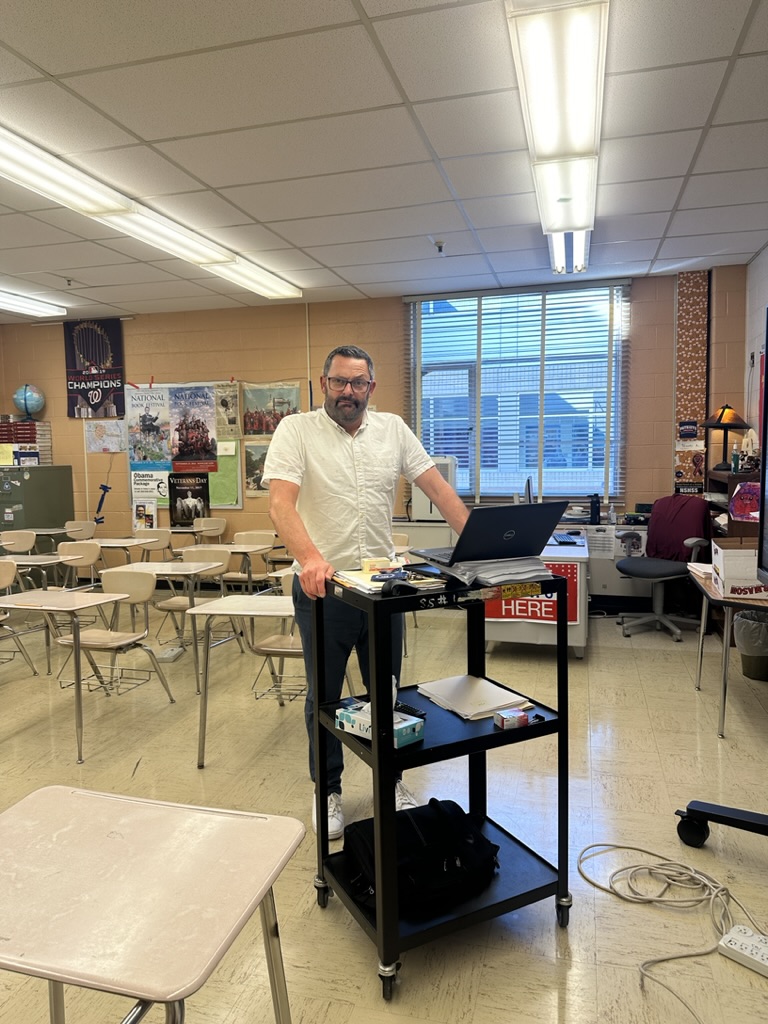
x: 641, y: 621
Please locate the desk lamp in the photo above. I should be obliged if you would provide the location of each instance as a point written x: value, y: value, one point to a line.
x: 725, y: 419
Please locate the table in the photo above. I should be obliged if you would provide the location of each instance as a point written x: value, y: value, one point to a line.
x: 710, y: 596
x: 138, y: 898
x: 51, y: 532
x: 41, y: 562
x: 234, y: 606
x: 189, y: 571
x: 125, y: 544
x: 245, y: 550
x: 67, y: 602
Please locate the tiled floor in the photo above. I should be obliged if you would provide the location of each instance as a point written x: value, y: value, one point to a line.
x: 643, y: 742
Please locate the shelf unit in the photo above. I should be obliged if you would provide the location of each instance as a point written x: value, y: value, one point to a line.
x: 524, y: 876
x: 725, y: 483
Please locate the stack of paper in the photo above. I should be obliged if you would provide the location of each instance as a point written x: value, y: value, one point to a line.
x: 472, y: 697
x: 503, y: 570
x: 359, y: 580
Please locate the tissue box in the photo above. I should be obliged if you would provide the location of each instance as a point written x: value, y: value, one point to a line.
x: 734, y: 568
x: 355, y: 717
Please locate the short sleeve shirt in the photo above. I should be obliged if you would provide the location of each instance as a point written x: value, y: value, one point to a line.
x: 347, y: 483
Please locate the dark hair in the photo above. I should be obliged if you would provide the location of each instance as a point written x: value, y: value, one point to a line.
x: 348, y: 352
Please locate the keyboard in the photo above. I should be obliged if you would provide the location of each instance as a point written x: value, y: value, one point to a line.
x: 565, y: 538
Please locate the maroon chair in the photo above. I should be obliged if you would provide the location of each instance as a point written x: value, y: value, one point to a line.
x: 680, y: 525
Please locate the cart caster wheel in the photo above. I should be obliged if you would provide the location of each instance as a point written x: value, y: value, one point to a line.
x: 388, y: 975
x: 563, y: 915
x: 693, y: 831
x: 322, y: 898
x: 386, y: 987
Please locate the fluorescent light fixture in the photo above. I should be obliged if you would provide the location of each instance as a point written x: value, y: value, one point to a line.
x: 255, y: 279
x: 31, y: 307
x: 33, y: 168
x: 557, y: 252
x: 559, y: 52
x: 580, y: 245
x: 566, y: 193
x: 164, y: 234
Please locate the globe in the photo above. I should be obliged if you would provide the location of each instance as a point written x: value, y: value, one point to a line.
x: 28, y: 399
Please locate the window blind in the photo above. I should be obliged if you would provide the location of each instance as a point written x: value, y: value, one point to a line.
x: 525, y: 384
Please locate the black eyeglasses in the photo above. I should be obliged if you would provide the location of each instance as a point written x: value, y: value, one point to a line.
x: 359, y: 385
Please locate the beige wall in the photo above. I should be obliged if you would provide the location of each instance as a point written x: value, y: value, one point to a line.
x: 291, y: 341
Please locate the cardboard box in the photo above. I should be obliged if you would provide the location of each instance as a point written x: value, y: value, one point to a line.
x: 734, y: 568
x: 356, y: 718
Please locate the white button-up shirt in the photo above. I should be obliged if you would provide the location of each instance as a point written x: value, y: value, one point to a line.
x: 347, y: 483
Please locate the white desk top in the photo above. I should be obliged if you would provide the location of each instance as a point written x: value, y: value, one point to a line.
x: 172, y: 568
x: 71, y: 601
x: 27, y: 560
x: 118, y: 542
x: 246, y: 605
x: 137, y: 897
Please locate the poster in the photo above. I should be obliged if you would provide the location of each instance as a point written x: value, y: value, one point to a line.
x: 255, y: 454
x: 193, y: 428
x: 188, y: 497
x: 264, y: 405
x: 93, y: 351
x: 144, y: 515
x: 105, y: 436
x: 150, y: 485
x: 227, y: 397
x: 148, y: 428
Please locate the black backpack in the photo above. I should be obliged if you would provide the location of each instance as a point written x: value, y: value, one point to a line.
x: 443, y: 859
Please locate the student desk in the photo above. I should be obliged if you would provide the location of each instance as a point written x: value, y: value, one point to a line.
x: 71, y: 603
x: 710, y: 596
x: 138, y: 898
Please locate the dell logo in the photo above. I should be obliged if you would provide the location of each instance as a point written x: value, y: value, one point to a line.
x: 509, y: 535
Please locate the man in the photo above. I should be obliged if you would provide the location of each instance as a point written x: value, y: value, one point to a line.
x: 333, y: 476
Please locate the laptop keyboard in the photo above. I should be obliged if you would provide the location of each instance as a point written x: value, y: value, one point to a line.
x: 442, y: 553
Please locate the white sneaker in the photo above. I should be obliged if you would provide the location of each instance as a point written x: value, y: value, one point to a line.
x: 335, y: 816
x: 404, y: 798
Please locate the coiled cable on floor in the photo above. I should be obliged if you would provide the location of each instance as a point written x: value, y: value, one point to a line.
x: 667, y: 883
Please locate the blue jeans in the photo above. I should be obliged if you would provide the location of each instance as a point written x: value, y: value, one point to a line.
x: 345, y: 628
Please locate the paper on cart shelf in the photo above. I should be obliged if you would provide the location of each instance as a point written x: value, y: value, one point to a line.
x: 472, y: 697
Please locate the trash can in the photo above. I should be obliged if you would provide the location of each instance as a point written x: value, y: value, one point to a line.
x: 750, y: 632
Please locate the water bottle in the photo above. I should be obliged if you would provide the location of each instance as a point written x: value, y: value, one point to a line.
x: 611, y: 516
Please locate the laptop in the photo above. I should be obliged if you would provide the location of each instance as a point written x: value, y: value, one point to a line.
x: 493, y: 532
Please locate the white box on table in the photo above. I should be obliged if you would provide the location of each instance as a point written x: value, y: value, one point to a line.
x: 356, y: 718
x: 734, y: 568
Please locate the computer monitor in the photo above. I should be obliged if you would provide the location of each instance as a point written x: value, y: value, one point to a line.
x: 528, y: 497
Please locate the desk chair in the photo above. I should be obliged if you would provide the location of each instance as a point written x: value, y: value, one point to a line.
x: 139, y: 586
x: 244, y: 577
x: 155, y: 540
x: 80, y: 529
x: 205, y: 529
x: 20, y: 542
x: 7, y: 579
x: 678, y: 529
x: 84, y: 554
x: 177, y: 605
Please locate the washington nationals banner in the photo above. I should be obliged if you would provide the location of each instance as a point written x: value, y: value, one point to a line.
x: 94, y: 358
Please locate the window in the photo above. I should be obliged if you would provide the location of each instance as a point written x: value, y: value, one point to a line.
x: 523, y: 384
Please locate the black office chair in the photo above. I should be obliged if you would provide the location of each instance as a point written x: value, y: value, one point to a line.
x: 678, y: 529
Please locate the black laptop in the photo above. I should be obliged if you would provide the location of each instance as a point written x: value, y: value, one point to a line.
x: 493, y: 532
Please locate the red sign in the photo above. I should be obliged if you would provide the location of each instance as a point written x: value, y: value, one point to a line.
x: 542, y: 608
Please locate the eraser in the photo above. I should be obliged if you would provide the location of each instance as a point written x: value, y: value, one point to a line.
x: 374, y: 564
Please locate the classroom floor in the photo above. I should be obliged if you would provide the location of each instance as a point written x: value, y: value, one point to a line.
x: 642, y: 744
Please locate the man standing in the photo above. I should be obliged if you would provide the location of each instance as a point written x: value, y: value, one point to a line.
x: 333, y: 476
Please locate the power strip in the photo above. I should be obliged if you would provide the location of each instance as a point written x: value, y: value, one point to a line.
x: 746, y: 947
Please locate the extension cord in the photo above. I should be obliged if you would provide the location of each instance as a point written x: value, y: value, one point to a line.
x: 746, y: 947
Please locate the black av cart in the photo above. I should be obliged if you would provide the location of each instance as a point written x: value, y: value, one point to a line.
x: 523, y: 877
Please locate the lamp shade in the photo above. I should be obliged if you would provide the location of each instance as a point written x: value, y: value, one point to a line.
x: 726, y: 418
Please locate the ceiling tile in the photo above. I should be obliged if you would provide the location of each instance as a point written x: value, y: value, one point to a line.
x: 429, y: 219
x: 56, y: 257
x: 513, y: 239
x: 502, y: 210
x: 49, y: 115
x: 393, y: 250
x: 247, y: 238
x: 137, y: 171
x: 436, y: 267
x: 200, y: 210
x: 734, y: 148
x: 151, y: 290
x: 501, y: 174
x: 660, y: 101
x: 630, y: 228
x: 637, y: 197
x: 523, y: 259
x: 749, y: 217
x: 721, y: 189
x: 744, y: 98
x: 491, y: 123
x: 17, y: 229
x: 344, y: 142
x: 80, y: 34
x: 648, y: 156
x: 341, y: 193
x: 432, y: 286
x: 713, y: 245
x: 278, y: 80
x: 13, y: 69
x: 449, y: 52
x: 621, y: 252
